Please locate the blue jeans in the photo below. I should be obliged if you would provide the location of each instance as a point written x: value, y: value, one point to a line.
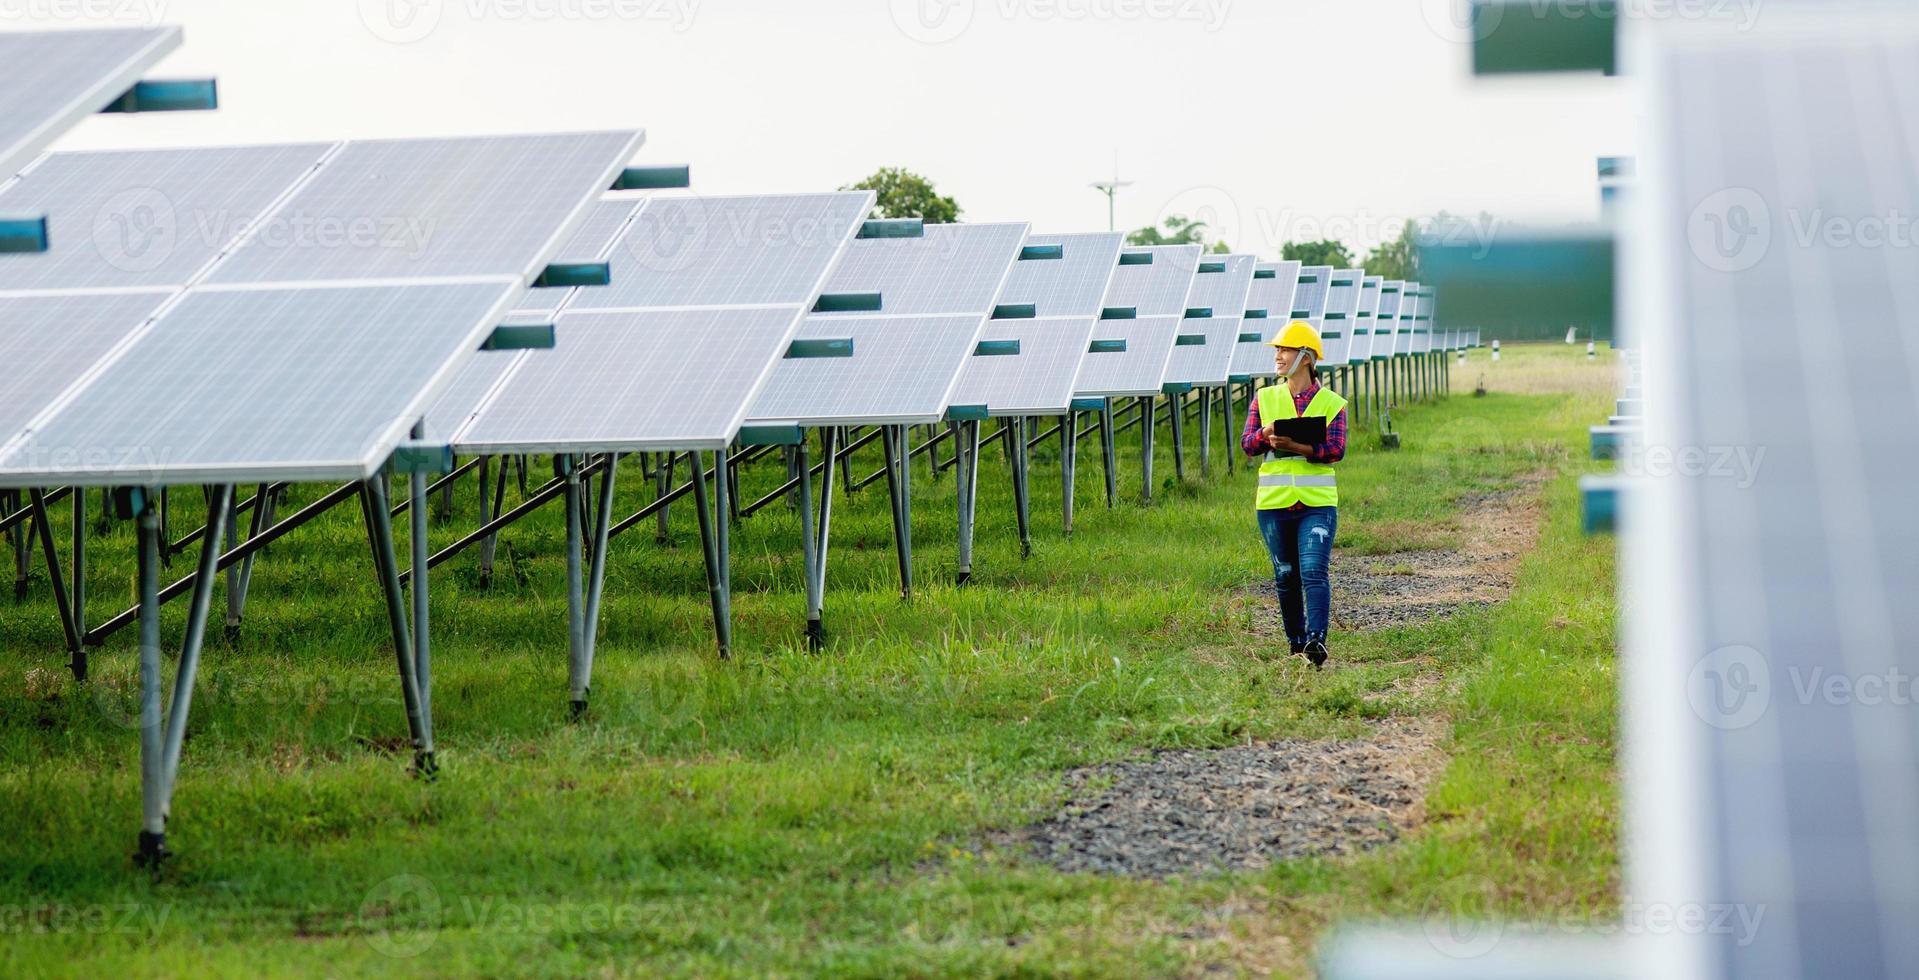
x: 1301, y: 543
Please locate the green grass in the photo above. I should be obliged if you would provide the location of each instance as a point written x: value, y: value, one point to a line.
x: 797, y: 813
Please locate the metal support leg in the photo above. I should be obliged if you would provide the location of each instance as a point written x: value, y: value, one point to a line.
x: 379, y: 520
x: 161, y: 737
x: 491, y: 545
x: 57, y: 578
x: 79, y: 662
x: 967, y: 447
x: 1205, y: 432
x: 1022, y: 498
x: 1148, y: 409
x: 1107, y: 454
x: 899, y: 481
x: 21, y: 561
x: 814, y: 538
x: 1226, y: 404
x: 1175, y: 402
x: 265, y: 509
x: 713, y: 522
x: 664, y: 483
x: 422, y: 622
x: 1068, y: 463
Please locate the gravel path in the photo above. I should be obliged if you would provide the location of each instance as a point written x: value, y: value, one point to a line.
x: 1188, y: 811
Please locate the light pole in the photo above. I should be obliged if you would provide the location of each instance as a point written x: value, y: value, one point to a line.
x: 1110, y: 188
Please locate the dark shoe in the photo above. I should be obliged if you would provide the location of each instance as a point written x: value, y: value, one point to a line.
x: 1298, y: 649
x: 1316, y: 652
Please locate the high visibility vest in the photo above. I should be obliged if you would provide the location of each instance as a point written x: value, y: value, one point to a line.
x: 1288, y: 480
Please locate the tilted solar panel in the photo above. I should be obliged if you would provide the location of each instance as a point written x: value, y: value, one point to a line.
x: 50, y: 80
x: 1269, y: 305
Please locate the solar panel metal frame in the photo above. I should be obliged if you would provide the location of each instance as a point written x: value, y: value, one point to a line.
x: 1252, y: 358
x: 1368, y: 308
x: 1045, y: 375
x: 1210, y: 364
x: 1392, y: 294
x: 145, y: 47
x: 470, y: 435
x: 1151, y: 335
x: 938, y: 335
x: 1341, y: 304
x: 54, y: 411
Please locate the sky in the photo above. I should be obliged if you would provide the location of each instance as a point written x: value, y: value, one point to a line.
x: 1275, y: 120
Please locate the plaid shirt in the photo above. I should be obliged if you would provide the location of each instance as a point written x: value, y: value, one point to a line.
x: 1326, y: 453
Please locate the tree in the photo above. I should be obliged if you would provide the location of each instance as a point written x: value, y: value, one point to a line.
x: 1325, y: 252
x: 1180, y: 230
x: 1396, y: 259
x: 905, y: 194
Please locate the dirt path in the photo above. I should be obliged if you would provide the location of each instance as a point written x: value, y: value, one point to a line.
x: 1245, y: 807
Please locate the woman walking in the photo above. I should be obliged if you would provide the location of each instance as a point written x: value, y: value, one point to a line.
x: 1298, y: 501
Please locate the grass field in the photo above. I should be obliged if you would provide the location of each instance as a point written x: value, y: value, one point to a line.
x: 797, y: 813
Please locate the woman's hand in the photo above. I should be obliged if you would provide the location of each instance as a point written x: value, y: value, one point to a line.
x: 1281, y: 444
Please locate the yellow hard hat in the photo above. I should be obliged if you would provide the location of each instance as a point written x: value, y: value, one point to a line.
x: 1300, y: 334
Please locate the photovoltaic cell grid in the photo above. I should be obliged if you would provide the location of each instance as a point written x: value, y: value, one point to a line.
x: 724, y: 251
x: 50, y: 342
x: 427, y: 209
x: 50, y: 80
x: 1039, y: 379
x: 1391, y: 342
x: 1409, y: 317
x: 209, y: 395
x: 952, y: 269
x: 1753, y: 786
x: 1363, y: 333
x: 936, y: 295
x: 679, y: 377
x: 1342, y: 304
x: 89, y: 431
x: 1206, y: 364
x: 1251, y: 357
x: 145, y: 217
x: 1309, y: 299
x: 1074, y: 284
x: 1137, y: 370
x: 1159, y: 288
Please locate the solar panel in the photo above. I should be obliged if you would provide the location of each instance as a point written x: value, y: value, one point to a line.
x: 1035, y: 377
x: 124, y: 218
x: 1074, y: 284
x: 1336, y: 321
x: 455, y: 407
x: 1273, y: 296
x: 1038, y: 380
x: 902, y: 371
x: 206, y: 395
x: 726, y: 251
x: 936, y: 294
x: 1363, y: 320
x: 681, y: 375
x: 1422, y: 328
x: 1408, y: 339
x: 952, y: 269
x: 50, y: 80
x: 1159, y: 287
x: 1309, y: 299
x: 1386, y: 322
x: 1137, y: 368
x: 1203, y: 354
x: 1773, y: 755
x: 49, y: 343
x: 423, y: 209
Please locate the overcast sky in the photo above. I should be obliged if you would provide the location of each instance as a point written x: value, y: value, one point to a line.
x: 1276, y: 119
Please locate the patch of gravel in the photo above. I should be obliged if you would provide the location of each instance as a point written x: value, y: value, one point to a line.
x: 1199, y: 811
